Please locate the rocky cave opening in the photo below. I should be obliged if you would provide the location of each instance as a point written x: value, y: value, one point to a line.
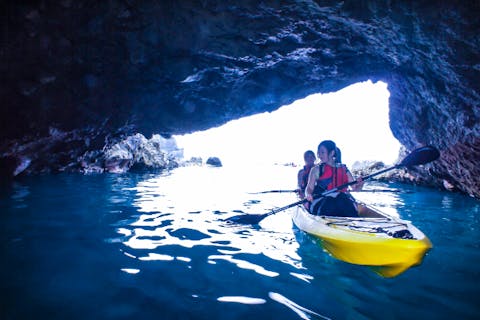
x: 78, y: 77
x: 282, y: 136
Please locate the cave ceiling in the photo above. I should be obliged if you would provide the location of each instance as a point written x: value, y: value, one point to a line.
x: 93, y: 68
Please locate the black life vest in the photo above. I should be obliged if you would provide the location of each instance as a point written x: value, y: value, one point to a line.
x: 304, y: 179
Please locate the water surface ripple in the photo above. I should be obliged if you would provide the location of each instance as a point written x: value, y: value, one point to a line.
x: 153, y: 246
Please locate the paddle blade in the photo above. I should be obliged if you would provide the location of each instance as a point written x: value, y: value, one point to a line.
x: 256, y: 218
x: 247, y: 218
x: 420, y: 156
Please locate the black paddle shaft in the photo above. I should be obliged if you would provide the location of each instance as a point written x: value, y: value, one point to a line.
x: 416, y: 157
x: 364, y: 178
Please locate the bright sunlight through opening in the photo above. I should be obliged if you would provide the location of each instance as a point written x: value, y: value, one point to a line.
x: 356, y: 118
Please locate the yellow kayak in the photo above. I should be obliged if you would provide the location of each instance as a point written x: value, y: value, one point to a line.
x: 387, y: 244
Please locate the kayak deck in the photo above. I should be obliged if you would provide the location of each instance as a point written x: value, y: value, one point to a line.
x: 388, y: 245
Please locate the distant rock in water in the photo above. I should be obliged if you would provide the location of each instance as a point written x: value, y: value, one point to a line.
x: 137, y: 153
x: 400, y: 175
x: 363, y: 168
x: 214, y: 161
x: 195, y: 161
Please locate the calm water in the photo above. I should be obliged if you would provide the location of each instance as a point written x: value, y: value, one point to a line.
x: 143, y: 246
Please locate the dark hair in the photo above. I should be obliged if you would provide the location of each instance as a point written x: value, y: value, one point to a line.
x: 338, y: 155
x: 331, y: 146
x: 309, y: 152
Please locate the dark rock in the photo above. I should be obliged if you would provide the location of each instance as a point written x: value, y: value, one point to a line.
x: 214, y: 161
x: 9, y: 165
x: 92, y: 69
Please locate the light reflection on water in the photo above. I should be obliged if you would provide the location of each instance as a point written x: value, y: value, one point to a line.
x: 189, y: 209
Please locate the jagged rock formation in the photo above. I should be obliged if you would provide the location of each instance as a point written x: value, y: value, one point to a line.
x: 93, y: 72
x: 135, y: 152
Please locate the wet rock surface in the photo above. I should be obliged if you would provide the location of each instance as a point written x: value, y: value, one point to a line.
x: 137, y: 153
x: 214, y: 161
x: 98, y: 72
x: 413, y: 176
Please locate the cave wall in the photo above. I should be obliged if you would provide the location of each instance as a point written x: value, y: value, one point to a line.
x: 89, y: 71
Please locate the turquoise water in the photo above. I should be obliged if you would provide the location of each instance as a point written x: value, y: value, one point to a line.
x: 146, y: 246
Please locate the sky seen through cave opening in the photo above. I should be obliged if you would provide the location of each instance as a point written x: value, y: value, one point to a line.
x: 356, y: 118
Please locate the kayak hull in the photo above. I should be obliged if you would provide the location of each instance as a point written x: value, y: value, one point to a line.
x: 358, y: 240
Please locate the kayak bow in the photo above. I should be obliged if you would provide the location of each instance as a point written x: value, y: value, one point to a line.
x: 386, y: 244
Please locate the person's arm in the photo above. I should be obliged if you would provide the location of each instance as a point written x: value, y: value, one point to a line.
x: 300, y: 178
x: 358, y: 185
x: 299, y: 183
x: 312, y: 177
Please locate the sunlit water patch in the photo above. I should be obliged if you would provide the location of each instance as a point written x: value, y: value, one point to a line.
x: 189, y: 209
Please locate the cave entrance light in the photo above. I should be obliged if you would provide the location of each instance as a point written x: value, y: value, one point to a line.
x: 356, y: 118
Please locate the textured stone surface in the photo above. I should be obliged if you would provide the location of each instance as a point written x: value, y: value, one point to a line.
x: 139, y: 153
x: 98, y: 70
x: 214, y: 161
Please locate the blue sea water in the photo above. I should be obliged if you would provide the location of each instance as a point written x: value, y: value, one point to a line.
x: 156, y: 246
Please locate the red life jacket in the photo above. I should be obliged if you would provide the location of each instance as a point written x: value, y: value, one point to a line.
x: 331, y: 177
